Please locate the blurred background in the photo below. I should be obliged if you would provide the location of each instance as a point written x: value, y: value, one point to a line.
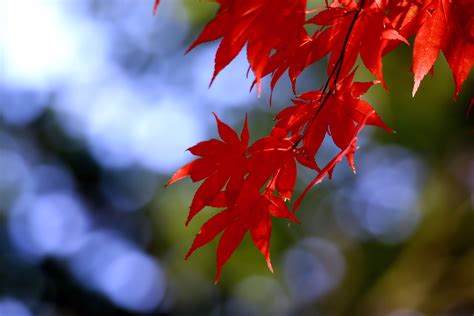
x: 97, y: 106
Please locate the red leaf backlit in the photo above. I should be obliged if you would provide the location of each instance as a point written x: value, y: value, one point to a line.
x: 448, y: 27
x: 251, y: 183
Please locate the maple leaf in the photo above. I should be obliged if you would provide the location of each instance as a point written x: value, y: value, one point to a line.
x: 233, y: 176
x: 250, y: 184
x: 298, y: 54
x: 352, y: 31
x: 263, y: 25
x: 372, y: 35
x: 221, y: 162
x: 155, y: 8
x: 404, y: 17
x: 447, y: 27
x: 252, y: 213
x: 268, y: 155
x: 337, y: 117
x: 328, y: 169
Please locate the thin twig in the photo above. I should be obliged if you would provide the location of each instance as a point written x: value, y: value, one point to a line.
x: 336, y: 71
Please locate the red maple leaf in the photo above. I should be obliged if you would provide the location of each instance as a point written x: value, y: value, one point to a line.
x: 155, y: 8
x: 250, y: 184
x: 233, y: 179
x: 254, y: 23
x: 328, y: 169
x: 447, y: 26
x: 369, y: 34
x: 372, y: 35
x: 221, y: 163
x: 252, y: 212
x: 337, y: 117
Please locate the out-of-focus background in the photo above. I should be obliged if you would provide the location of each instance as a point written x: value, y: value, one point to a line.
x: 97, y: 106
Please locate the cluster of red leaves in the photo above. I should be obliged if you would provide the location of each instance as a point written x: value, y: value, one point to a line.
x: 252, y: 184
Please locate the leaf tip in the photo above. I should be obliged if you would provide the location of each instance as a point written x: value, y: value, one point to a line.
x: 189, y: 253
x: 169, y: 182
x: 415, y: 87
x: 259, y: 88
x: 269, y: 264
x: 293, y: 219
x: 155, y: 7
x: 188, y: 220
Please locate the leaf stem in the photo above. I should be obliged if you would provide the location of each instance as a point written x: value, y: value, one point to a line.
x: 336, y: 72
